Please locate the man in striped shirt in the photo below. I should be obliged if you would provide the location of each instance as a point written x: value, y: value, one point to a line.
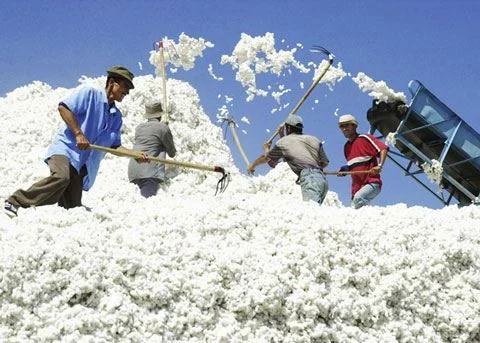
x: 361, y: 152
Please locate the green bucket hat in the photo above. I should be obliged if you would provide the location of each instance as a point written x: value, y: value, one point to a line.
x: 122, y: 72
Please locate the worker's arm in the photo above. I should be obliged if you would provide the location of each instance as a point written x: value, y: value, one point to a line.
x: 139, y: 156
x: 383, y: 156
x: 260, y: 160
x: 69, y: 119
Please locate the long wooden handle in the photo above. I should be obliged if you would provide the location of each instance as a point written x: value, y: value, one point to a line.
x: 270, y: 140
x: 346, y: 172
x: 237, y: 141
x: 305, y: 96
x: 314, y: 84
x: 138, y: 154
x: 130, y: 153
x: 165, y: 118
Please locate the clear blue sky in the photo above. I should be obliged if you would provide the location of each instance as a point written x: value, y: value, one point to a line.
x: 434, y: 41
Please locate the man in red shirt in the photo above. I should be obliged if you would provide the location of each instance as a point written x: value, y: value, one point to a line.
x: 361, y: 152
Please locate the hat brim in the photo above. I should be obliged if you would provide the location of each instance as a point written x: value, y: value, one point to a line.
x: 348, y: 122
x: 130, y: 84
x: 153, y: 115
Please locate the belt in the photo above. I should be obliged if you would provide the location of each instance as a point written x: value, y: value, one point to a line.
x: 311, y: 169
x: 320, y: 169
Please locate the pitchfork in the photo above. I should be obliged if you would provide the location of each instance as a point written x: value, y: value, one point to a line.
x: 315, y: 48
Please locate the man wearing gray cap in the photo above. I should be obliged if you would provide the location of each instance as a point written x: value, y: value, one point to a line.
x: 154, y: 138
x: 361, y: 152
x: 303, y: 153
x: 90, y: 116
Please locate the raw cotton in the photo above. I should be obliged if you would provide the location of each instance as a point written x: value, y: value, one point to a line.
x: 254, y: 264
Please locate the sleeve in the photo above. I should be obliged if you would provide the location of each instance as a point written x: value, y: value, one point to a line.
x: 381, y: 146
x: 322, y: 155
x: 117, y: 136
x: 168, y: 142
x: 79, y: 101
x: 375, y: 144
x: 275, y: 154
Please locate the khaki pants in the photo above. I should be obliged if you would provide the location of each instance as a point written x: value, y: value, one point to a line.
x: 64, y: 186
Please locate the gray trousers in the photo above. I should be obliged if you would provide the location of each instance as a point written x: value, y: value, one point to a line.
x: 64, y: 186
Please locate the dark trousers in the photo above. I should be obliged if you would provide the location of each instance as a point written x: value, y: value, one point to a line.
x: 148, y: 186
x: 64, y: 186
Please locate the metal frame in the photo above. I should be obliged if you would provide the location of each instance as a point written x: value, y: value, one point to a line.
x: 439, y: 193
x: 401, y: 136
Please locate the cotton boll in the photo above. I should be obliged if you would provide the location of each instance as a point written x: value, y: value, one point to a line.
x: 256, y: 55
x: 332, y: 75
x: 181, y: 54
x: 379, y: 90
x: 210, y: 71
x: 278, y: 95
x: 245, y: 120
x: 433, y: 171
x: 391, y: 139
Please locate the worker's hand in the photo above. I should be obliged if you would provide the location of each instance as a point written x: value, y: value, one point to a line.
x: 82, y: 141
x: 376, y: 170
x: 250, y: 169
x: 281, y: 130
x: 266, y: 146
x: 272, y: 163
x: 343, y: 169
x: 143, y: 158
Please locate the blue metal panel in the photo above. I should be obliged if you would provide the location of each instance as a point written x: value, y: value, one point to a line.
x: 432, y: 131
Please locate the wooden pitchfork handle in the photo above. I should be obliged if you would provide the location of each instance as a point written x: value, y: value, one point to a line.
x: 314, y: 84
x: 347, y: 172
x: 231, y: 123
x: 165, y: 118
x: 309, y: 90
x: 221, y: 184
x: 138, y: 154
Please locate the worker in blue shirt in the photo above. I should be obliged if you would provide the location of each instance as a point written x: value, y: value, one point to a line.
x: 91, y: 117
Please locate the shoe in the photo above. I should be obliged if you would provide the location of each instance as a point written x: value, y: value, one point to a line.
x: 10, y: 209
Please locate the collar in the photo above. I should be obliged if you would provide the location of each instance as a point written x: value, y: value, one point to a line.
x: 356, y: 136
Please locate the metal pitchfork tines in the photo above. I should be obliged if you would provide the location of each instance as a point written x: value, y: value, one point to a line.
x: 173, y: 55
x: 318, y: 48
x: 170, y: 49
x: 222, y: 184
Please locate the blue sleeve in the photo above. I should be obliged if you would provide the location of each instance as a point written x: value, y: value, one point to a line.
x: 79, y: 101
x: 118, y: 132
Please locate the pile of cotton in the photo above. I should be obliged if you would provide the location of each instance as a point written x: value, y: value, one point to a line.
x: 252, y: 264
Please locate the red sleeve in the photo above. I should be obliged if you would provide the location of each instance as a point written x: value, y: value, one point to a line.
x: 377, y: 144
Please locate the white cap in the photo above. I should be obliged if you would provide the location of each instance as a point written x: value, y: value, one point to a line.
x: 347, y: 118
